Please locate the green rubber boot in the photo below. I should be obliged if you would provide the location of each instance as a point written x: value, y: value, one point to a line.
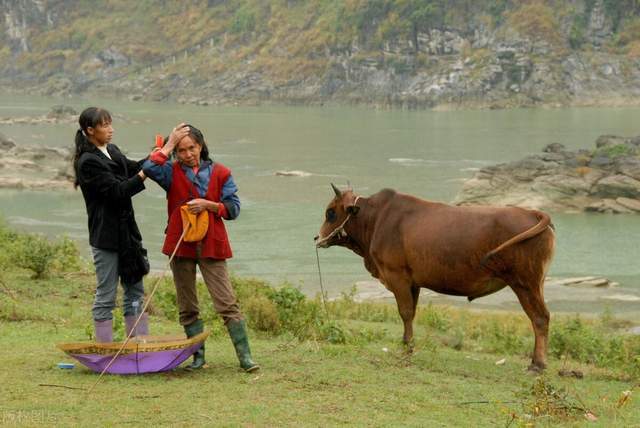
x: 194, y: 329
x: 238, y: 334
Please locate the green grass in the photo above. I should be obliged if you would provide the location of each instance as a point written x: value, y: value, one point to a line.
x: 341, y: 366
x: 451, y: 379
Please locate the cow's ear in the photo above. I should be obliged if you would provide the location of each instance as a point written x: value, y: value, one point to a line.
x: 353, y: 209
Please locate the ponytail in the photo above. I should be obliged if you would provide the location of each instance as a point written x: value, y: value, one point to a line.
x: 82, y: 145
x: 89, y: 118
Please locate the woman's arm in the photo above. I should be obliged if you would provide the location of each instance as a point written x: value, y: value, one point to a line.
x: 228, y: 208
x: 98, y: 178
x: 158, y: 166
x: 230, y: 199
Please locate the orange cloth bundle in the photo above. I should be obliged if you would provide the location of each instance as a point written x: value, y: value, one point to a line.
x: 196, y: 225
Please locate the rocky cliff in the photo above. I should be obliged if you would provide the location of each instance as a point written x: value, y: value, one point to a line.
x: 432, y: 53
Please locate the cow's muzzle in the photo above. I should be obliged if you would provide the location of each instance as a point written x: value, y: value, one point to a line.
x: 321, y: 243
x: 333, y: 238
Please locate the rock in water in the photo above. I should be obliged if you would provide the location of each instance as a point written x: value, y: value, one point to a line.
x: 604, y: 180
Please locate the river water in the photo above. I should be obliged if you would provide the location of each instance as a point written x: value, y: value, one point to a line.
x: 425, y: 153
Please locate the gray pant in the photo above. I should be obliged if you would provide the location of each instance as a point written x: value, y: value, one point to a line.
x: 106, y: 263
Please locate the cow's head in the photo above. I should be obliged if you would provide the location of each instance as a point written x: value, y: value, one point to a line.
x: 337, y: 213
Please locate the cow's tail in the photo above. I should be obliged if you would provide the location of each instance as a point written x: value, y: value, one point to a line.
x: 544, y: 221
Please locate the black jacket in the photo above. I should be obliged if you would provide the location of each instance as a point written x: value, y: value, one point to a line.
x: 107, y: 186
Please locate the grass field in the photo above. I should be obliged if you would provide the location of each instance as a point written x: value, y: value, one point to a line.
x: 354, y: 373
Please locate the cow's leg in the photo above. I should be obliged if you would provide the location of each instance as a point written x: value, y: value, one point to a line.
x: 532, y: 301
x: 404, y: 293
x: 415, y: 292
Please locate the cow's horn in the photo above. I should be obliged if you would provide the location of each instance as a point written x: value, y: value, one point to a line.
x: 336, y: 190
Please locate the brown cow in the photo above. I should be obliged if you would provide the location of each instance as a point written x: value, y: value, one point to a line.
x: 409, y: 243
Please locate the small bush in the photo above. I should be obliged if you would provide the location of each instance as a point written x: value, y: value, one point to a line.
x: 504, y: 338
x: 67, y: 257
x: 434, y: 317
x: 262, y: 314
x: 574, y: 339
x: 35, y: 253
x: 165, y: 300
x: 333, y: 332
x: 615, y: 151
x: 543, y: 400
x: 290, y: 305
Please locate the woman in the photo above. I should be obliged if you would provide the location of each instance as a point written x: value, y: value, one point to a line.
x: 207, y: 187
x: 108, y: 181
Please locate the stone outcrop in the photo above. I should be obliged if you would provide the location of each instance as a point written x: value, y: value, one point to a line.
x: 606, y: 179
x: 57, y: 114
x: 34, y: 167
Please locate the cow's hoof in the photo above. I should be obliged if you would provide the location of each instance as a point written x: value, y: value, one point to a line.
x: 536, y: 368
x: 408, y: 347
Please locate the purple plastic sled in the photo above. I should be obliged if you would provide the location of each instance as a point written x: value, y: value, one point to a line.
x: 143, y: 354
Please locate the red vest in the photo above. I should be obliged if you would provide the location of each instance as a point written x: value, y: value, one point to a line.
x: 215, y: 244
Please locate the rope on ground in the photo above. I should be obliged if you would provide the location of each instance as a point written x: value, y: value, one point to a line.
x: 61, y: 386
x: 324, y: 305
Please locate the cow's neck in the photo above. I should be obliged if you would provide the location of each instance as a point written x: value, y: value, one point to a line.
x: 358, y: 229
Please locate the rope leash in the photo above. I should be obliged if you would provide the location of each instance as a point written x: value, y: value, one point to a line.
x: 324, y: 304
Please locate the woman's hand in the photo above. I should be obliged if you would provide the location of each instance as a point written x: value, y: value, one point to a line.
x: 177, y: 134
x: 198, y: 205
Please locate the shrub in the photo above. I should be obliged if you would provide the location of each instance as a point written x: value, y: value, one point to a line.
x: 574, y: 339
x: 615, y: 151
x: 434, y: 317
x: 332, y: 332
x: 536, y: 21
x: 290, y: 305
x: 165, y: 300
x: 35, y: 253
x: 262, y: 314
x: 38, y: 254
x: 504, y: 338
x: 67, y: 257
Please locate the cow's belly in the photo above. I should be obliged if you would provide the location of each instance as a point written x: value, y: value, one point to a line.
x: 472, y: 290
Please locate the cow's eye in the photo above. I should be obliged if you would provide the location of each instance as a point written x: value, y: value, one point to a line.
x: 330, y: 215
